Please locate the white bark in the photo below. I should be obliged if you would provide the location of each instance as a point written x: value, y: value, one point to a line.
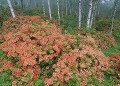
x: 49, y: 9
x: 89, y: 14
x: 66, y: 7
x: 114, y: 11
x: 43, y: 6
x: 80, y: 16
x: 93, y: 12
x: 11, y: 8
x: 58, y: 11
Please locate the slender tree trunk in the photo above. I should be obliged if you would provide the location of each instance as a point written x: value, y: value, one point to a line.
x: 58, y: 11
x: 66, y: 7
x: 49, y: 9
x: 93, y: 12
x: 11, y: 8
x: 80, y: 16
x: 89, y: 14
x: 114, y: 11
x: 43, y: 6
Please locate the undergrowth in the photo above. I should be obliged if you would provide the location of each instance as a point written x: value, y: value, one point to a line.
x: 70, y: 27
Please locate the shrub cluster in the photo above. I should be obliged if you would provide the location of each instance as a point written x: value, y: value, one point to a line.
x: 116, y: 61
x: 36, y: 49
x: 103, y: 39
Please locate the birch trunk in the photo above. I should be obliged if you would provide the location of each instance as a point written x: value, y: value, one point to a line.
x: 89, y: 14
x: 66, y: 7
x: 80, y: 14
x: 114, y: 11
x: 49, y: 9
x: 58, y: 11
x: 93, y: 12
x: 43, y: 6
x: 11, y: 8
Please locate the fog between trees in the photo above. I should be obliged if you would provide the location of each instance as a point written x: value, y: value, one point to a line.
x: 82, y: 9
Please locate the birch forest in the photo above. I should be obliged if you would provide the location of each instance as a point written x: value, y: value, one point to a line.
x: 59, y: 42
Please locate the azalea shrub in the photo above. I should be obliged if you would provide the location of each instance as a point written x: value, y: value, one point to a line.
x: 115, y: 58
x: 35, y: 49
x: 104, y: 40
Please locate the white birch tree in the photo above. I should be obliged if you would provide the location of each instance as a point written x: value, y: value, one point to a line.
x: 43, y: 6
x: 49, y: 9
x: 89, y: 14
x: 93, y: 11
x: 80, y: 16
x: 114, y: 12
x: 11, y: 8
x: 58, y: 11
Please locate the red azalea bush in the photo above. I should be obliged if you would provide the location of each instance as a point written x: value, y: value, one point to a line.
x: 103, y: 39
x: 116, y: 60
x: 38, y: 50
